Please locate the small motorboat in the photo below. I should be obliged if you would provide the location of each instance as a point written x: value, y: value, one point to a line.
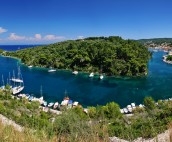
x: 56, y: 104
x: 51, y: 70
x: 30, y: 66
x: 91, y: 74
x: 75, y: 72
x: 50, y: 104
x: 45, y: 103
x: 101, y: 77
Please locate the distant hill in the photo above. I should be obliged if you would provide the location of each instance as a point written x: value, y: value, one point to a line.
x: 156, y: 41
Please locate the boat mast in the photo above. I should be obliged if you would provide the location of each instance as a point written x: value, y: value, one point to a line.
x: 2, y: 80
x: 18, y: 72
x: 14, y: 77
x: 41, y: 91
x: 9, y: 79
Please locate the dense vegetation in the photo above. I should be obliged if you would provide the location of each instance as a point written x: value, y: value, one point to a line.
x: 97, y: 125
x: 109, y: 55
x: 1, y: 51
x: 169, y: 58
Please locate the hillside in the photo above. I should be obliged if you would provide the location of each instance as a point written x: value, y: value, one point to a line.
x: 109, y: 55
x: 74, y: 125
x: 156, y: 41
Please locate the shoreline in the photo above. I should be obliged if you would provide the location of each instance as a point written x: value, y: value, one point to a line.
x: 164, y: 60
x: 80, y: 72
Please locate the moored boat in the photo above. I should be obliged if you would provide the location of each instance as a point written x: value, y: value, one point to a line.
x: 50, y: 104
x: 3, y: 86
x: 30, y: 66
x: 56, y: 104
x: 91, y: 74
x: 17, y: 89
x: 51, y: 70
x: 45, y: 103
x: 75, y: 72
x: 30, y: 98
x: 101, y: 77
x: 19, y: 79
x: 65, y: 101
x: 75, y: 104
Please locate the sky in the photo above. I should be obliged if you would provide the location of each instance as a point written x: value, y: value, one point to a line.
x: 50, y: 21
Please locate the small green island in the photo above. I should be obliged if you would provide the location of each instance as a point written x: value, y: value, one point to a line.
x: 109, y: 55
x: 169, y: 58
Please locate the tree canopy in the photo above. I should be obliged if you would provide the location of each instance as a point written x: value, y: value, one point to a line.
x: 110, y: 55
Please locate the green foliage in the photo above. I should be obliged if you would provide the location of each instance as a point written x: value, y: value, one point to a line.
x: 92, y: 112
x: 79, y: 111
x: 169, y: 58
x: 1, y: 51
x: 71, y: 126
x: 149, y: 103
x: 111, y: 110
x: 110, y: 55
x: 100, y: 122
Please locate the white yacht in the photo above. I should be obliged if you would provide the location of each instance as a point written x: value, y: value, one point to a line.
x: 30, y: 66
x: 75, y: 72
x: 91, y: 74
x: 19, y: 79
x: 17, y: 89
x: 51, y: 70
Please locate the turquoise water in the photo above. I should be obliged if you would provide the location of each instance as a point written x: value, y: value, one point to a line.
x: 87, y: 91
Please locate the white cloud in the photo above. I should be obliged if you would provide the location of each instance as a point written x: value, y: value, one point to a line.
x: 53, y: 37
x: 13, y: 36
x: 80, y: 37
x: 2, y: 30
x: 38, y: 36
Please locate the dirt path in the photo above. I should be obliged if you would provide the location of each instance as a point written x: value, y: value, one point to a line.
x: 7, y: 121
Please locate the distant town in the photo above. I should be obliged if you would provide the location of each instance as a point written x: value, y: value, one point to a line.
x: 158, y: 43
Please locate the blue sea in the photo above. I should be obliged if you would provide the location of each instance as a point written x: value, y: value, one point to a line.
x: 15, y: 47
x: 92, y: 91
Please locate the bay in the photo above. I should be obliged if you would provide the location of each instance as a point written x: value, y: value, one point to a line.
x: 92, y: 91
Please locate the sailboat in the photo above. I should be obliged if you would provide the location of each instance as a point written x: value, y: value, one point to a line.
x: 20, y: 87
x: 65, y: 100
x: 3, y: 86
x: 17, y: 89
x: 9, y: 82
x: 41, y: 99
x: 19, y: 79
